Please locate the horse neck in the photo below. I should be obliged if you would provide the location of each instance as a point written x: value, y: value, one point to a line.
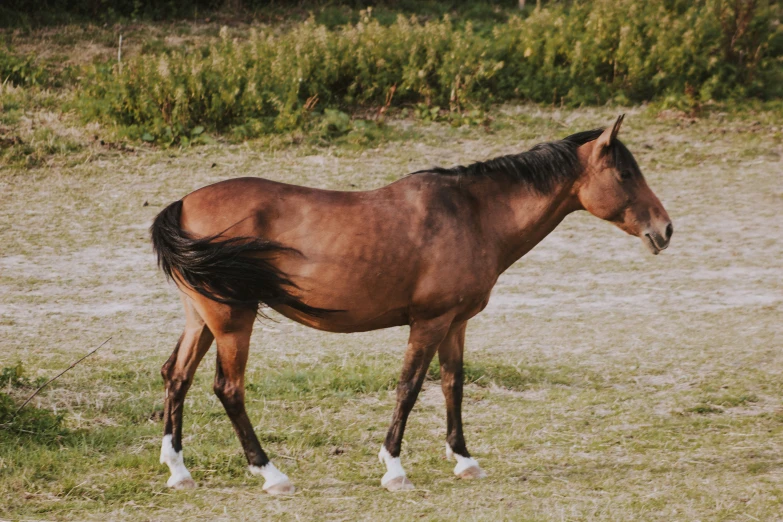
x: 520, y: 218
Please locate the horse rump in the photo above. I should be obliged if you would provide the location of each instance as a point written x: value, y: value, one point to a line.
x: 234, y: 270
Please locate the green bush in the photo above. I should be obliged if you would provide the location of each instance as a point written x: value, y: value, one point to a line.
x: 572, y: 53
x: 20, y: 70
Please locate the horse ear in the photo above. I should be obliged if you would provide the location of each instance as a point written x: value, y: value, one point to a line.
x: 607, y: 137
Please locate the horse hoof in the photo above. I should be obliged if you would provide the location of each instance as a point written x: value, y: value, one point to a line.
x: 187, y: 483
x: 473, y: 472
x: 399, y: 484
x: 283, y: 488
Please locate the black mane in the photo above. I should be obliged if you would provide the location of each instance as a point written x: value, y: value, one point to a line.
x: 544, y: 166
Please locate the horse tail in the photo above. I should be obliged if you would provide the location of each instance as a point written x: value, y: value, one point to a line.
x: 235, y: 271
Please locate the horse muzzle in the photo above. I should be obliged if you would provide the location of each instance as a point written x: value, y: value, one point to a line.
x: 657, y: 240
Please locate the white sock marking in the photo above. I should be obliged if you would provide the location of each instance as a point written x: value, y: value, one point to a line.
x: 272, y: 475
x: 173, y: 459
x: 463, y: 463
x: 393, y: 466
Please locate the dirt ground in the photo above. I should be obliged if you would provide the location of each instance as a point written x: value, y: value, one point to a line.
x: 626, y: 386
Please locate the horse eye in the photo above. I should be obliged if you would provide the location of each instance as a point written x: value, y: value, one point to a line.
x: 626, y: 174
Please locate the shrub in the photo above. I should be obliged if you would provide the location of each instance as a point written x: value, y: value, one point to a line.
x: 636, y: 51
x: 20, y: 70
x: 574, y: 54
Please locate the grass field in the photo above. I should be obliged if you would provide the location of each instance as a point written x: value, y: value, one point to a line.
x: 606, y: 384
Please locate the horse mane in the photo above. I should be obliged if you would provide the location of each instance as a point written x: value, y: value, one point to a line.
x: 543, y: 167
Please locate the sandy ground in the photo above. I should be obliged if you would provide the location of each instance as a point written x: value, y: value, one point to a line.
x: 76, y: 244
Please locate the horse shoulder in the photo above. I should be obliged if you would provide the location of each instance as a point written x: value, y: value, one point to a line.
x: 457, y: 269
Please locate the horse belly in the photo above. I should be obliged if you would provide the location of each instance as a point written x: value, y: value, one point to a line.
x: 348, y: 321
x: 366, y: 294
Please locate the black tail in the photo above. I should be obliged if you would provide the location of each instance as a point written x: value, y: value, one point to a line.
x: 234, y: 271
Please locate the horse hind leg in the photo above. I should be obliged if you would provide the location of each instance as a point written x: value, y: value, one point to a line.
x: 233, y: 343
x: 177, y: 375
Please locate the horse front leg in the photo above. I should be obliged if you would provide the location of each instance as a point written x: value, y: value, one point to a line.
x: 450, y: 355
x: 424, y: 339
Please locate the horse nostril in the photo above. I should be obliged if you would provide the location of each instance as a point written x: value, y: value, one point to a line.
x: 669, y: 231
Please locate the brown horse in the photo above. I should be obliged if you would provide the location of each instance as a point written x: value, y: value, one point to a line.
x: 424, y: 251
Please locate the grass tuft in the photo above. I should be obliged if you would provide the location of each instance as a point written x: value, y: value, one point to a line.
x: 704, y: 409
x: 14, y: 376
x: 518, y: 378
x: 350, y: 378
x: 30, y: 426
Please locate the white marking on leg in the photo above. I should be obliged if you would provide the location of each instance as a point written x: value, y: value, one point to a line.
x: 272, y: 475
x: 393, y: 466
x: 173, y: 459
x: 464, y: 464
